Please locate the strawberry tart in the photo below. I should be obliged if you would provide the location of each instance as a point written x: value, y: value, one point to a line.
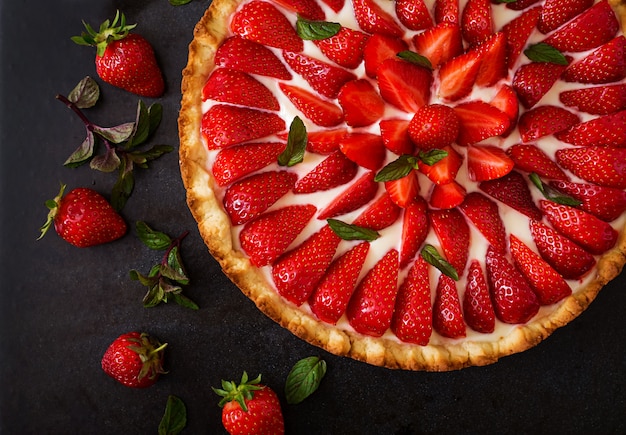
x: 417, y: 184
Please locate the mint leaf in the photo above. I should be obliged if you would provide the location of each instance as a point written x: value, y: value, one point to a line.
x: 296, y: 144
x: 415, y: 58
x: 431, y: 157
x: 545, y: 53
x: 83, y: 153
x: 85, y: 94
x: 179, y: 2
x: 397, y: 169
x: 107, y: 162
x: 116, y: 134
x: 552, y: 194
x: 175, y: 417
x: 153, y: 239
x: 432, y: 257
x: 304, y: 379
x: 351, y: 231
x: 311, y: 30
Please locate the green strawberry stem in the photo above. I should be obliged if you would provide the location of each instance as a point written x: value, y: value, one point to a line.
x: 53, y: 206
x: 107, y: 32
x: 231, y: 391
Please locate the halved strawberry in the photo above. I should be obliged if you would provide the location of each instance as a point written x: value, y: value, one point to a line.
x: 439, y: 43
x: 447, y: 313
x: 533, y: 80
x: 447, y: 196
x: 372, y: 18
x: 324, y: 141
x: 555, y: 13
x: 297, y: 272
x: 487, y: 162
x: 445, y: 170
x: 458, y: 75
x: 262, y: 22
x: 478, y: 310
x: 365, y: 149
x: 265, y: 238
x: 371, y: 307
x: 447, y: 11
x: 379, y: 214
x: 590, y: 29
x: 415, y: 227
x: 361, y: 103
x: 236, y: 87
x: 593, y: 234
x: 414, y: 14
x: 379, y: 48
x: 412, y: 320
x: 493, y: 59
x: 479, y: 121
x: 606, y: 64
x: 335, y: 170
x: 232, y: 163
x: 506, y: 100
x: 224, y: 125
x: 321, y: 112
x: 248, y: 198
x: 434, y: 126
x: 597, y: 100
x: 513, y: 299
x: 565, y: 256
x: 404, y: 191
x: 607, y: 203
x: 608, y: 130
x: 484, y: 214
x: 596, y: 164
x: 330, y: 299
x: 512, y: 190
x: 324, y: 78
x: 359, y: 193
x: 395, y: 134
x: 517, y: 32
x: 476, y: 21
x: 545, y: 120
x: 345, y: 48
x: 530, y: 158
x: 548, y: 285
x: 308, y: 9
x: 453, y: 233
x: 251, y: 57
x: 404, y: 85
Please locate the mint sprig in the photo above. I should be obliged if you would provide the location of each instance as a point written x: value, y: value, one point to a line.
x: 434, y: 258
x: 552, y: 194
x: 313, y: 30
x: 174, y: 418
x: 545, y: 53
x: 304, y: 379
x: 352, y: 232
x: 296, y: 144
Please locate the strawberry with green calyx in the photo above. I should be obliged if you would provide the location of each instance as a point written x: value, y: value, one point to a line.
x: 165, y: 279
x: 134, y: 359
x: 250, y: 408
x: 83, y: 218
x: 123, y: 59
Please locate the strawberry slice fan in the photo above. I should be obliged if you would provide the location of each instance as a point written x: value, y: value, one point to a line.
x: 417, y: 184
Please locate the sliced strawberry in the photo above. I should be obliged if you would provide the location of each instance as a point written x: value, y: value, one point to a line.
x: 448, y: 318
x: 548, y: 285
x: 371, y: 308
x: 533, y: 80
x: 395, y: 134
x: 434, y: 126
x: 414, y: 14
x: 597, y: 100
x: 592, y: 28
x: 262, y: 22
x: 403, y: 191
x: 297, y: 272
x: 555, y: 13
x: 308, y: 9
x: 446, y: 196
x: 458, y: 75
x: 335, y: 170
x: 321, y: 112
x: 372, y: 18
x: 248, y: 198
x: 415, y: 227
x: 380, y: 214
x: 593, y: 234
x: 487, y: 162
x: 359, y: 193
x: 365, y: 149
x: 607, y: 64
x: 608, y: 130
x: 361, y: 103
x: 517, y: 32
x: 233, y: 163
x: 529, y: 158
x: 596, y: 164
x: 607, y: 203
x: 440, y: 43
x: 325, y: 141
x: 324, y: 78
x: 447, y: 11
x: 477, y: 307
x: 224, y: 125
x: 513, y: 299
x: 248, y: 56
x: 265, y: 238
x: 484, y: 214
x: 445, y: 170
x: 479, y: 121
x: 335, y: 5
x: 345, y: 48
x: 545, y: 120
x: 330, y: 299
x: 476, y: 21
x: 379, y: 48
x: 404, y: 85
x: 565, y: 256
x: 453, y: 233
x: 236, y: 87
x: 493, y: 54
x: 512, y: 190
x: 506, y: 100
x: 413, y: 318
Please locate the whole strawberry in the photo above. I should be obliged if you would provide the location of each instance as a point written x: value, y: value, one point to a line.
x: 125, y: 60
x: 83, y: 218
x: 134, y: 359
x: 250, y: 408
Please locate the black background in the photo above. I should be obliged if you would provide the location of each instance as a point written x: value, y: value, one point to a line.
x: 61, y: 306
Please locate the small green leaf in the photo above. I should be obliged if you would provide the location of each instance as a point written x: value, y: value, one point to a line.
x: 184, y: 301
x: 311, y: 30
x: 397, y: 169
x: 141, y: 129
x: 116, y: 134
x: 415, y: 58
x: 107, y: 162
x: 85, y: 94
x: 155, y: 110
x: 154, y: 296
x: 431, y: 157
x: 545, y: 53
x: 148, y: 281
x: 153, y: 239
x: 179, y: 3
x: 553, y: 194
x: 296, y: 144
x: 351, y: 231
x: 83, y: 153
x: 174, y: 262
x: 123, y: 187
x: 175, y: 417
x: 304, y: 379
x: 432, y: 257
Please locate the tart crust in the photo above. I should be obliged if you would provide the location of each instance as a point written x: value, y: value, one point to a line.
x: 215, y: 229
